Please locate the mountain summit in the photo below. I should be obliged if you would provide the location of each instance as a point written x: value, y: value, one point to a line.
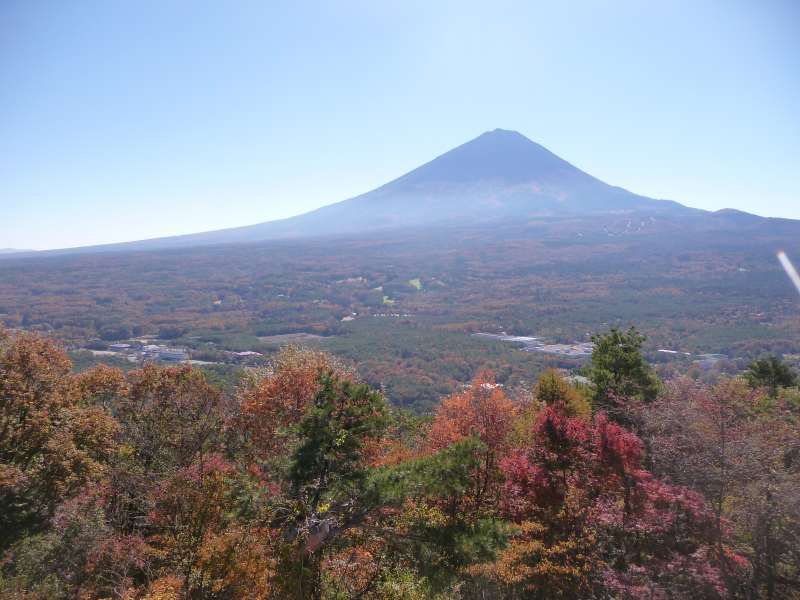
x: 501, y: 155
x: 497, y: 176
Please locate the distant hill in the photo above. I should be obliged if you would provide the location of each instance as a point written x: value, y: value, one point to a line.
x: 500, y: 176
x: 13, y: 251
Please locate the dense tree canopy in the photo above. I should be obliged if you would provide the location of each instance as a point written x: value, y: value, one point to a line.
x: 771, y: 374
x: 52, y: 443
x: 305, y: 483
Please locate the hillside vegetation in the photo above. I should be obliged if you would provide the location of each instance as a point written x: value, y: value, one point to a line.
x: 302, y: 482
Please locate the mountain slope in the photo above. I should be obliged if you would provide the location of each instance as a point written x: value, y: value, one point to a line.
x: 499, y: 175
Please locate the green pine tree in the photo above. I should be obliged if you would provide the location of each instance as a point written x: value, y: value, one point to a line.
x: 619, y: 372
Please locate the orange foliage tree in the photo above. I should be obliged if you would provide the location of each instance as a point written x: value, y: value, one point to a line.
x: 51, y: 442
x: 482, y: 411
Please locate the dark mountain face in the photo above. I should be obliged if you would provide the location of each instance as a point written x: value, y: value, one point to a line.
x: 499, y: 176
x: 504, y: 157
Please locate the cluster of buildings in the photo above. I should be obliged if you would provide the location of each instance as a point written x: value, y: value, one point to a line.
x: 534, y: 344
x: 155, y: 352
x: 141, y: 352
x: 584, y: 349
x: 705, y: 361
x: 708, y: 361
x: 164, y: 353
x: 576, y: 350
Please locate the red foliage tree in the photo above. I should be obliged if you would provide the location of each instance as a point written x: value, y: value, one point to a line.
x: 592, y: 518
x: 738, y: 447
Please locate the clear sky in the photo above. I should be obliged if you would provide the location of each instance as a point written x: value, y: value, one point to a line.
x: 129, y: 120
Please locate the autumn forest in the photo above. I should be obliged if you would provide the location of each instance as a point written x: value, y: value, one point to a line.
x: 399, y: 300
x: 303, y: 482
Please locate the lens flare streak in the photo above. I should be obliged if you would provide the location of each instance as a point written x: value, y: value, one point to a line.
x: 790, y: 270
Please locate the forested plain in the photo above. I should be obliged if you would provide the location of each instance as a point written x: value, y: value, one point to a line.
x: 403, y: 304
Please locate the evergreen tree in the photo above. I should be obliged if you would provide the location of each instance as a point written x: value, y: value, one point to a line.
x: 327, y: 476
x: 620, y: 373
x: 770, y: 373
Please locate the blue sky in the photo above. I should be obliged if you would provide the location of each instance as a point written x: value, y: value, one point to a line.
x: 129, y: 120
